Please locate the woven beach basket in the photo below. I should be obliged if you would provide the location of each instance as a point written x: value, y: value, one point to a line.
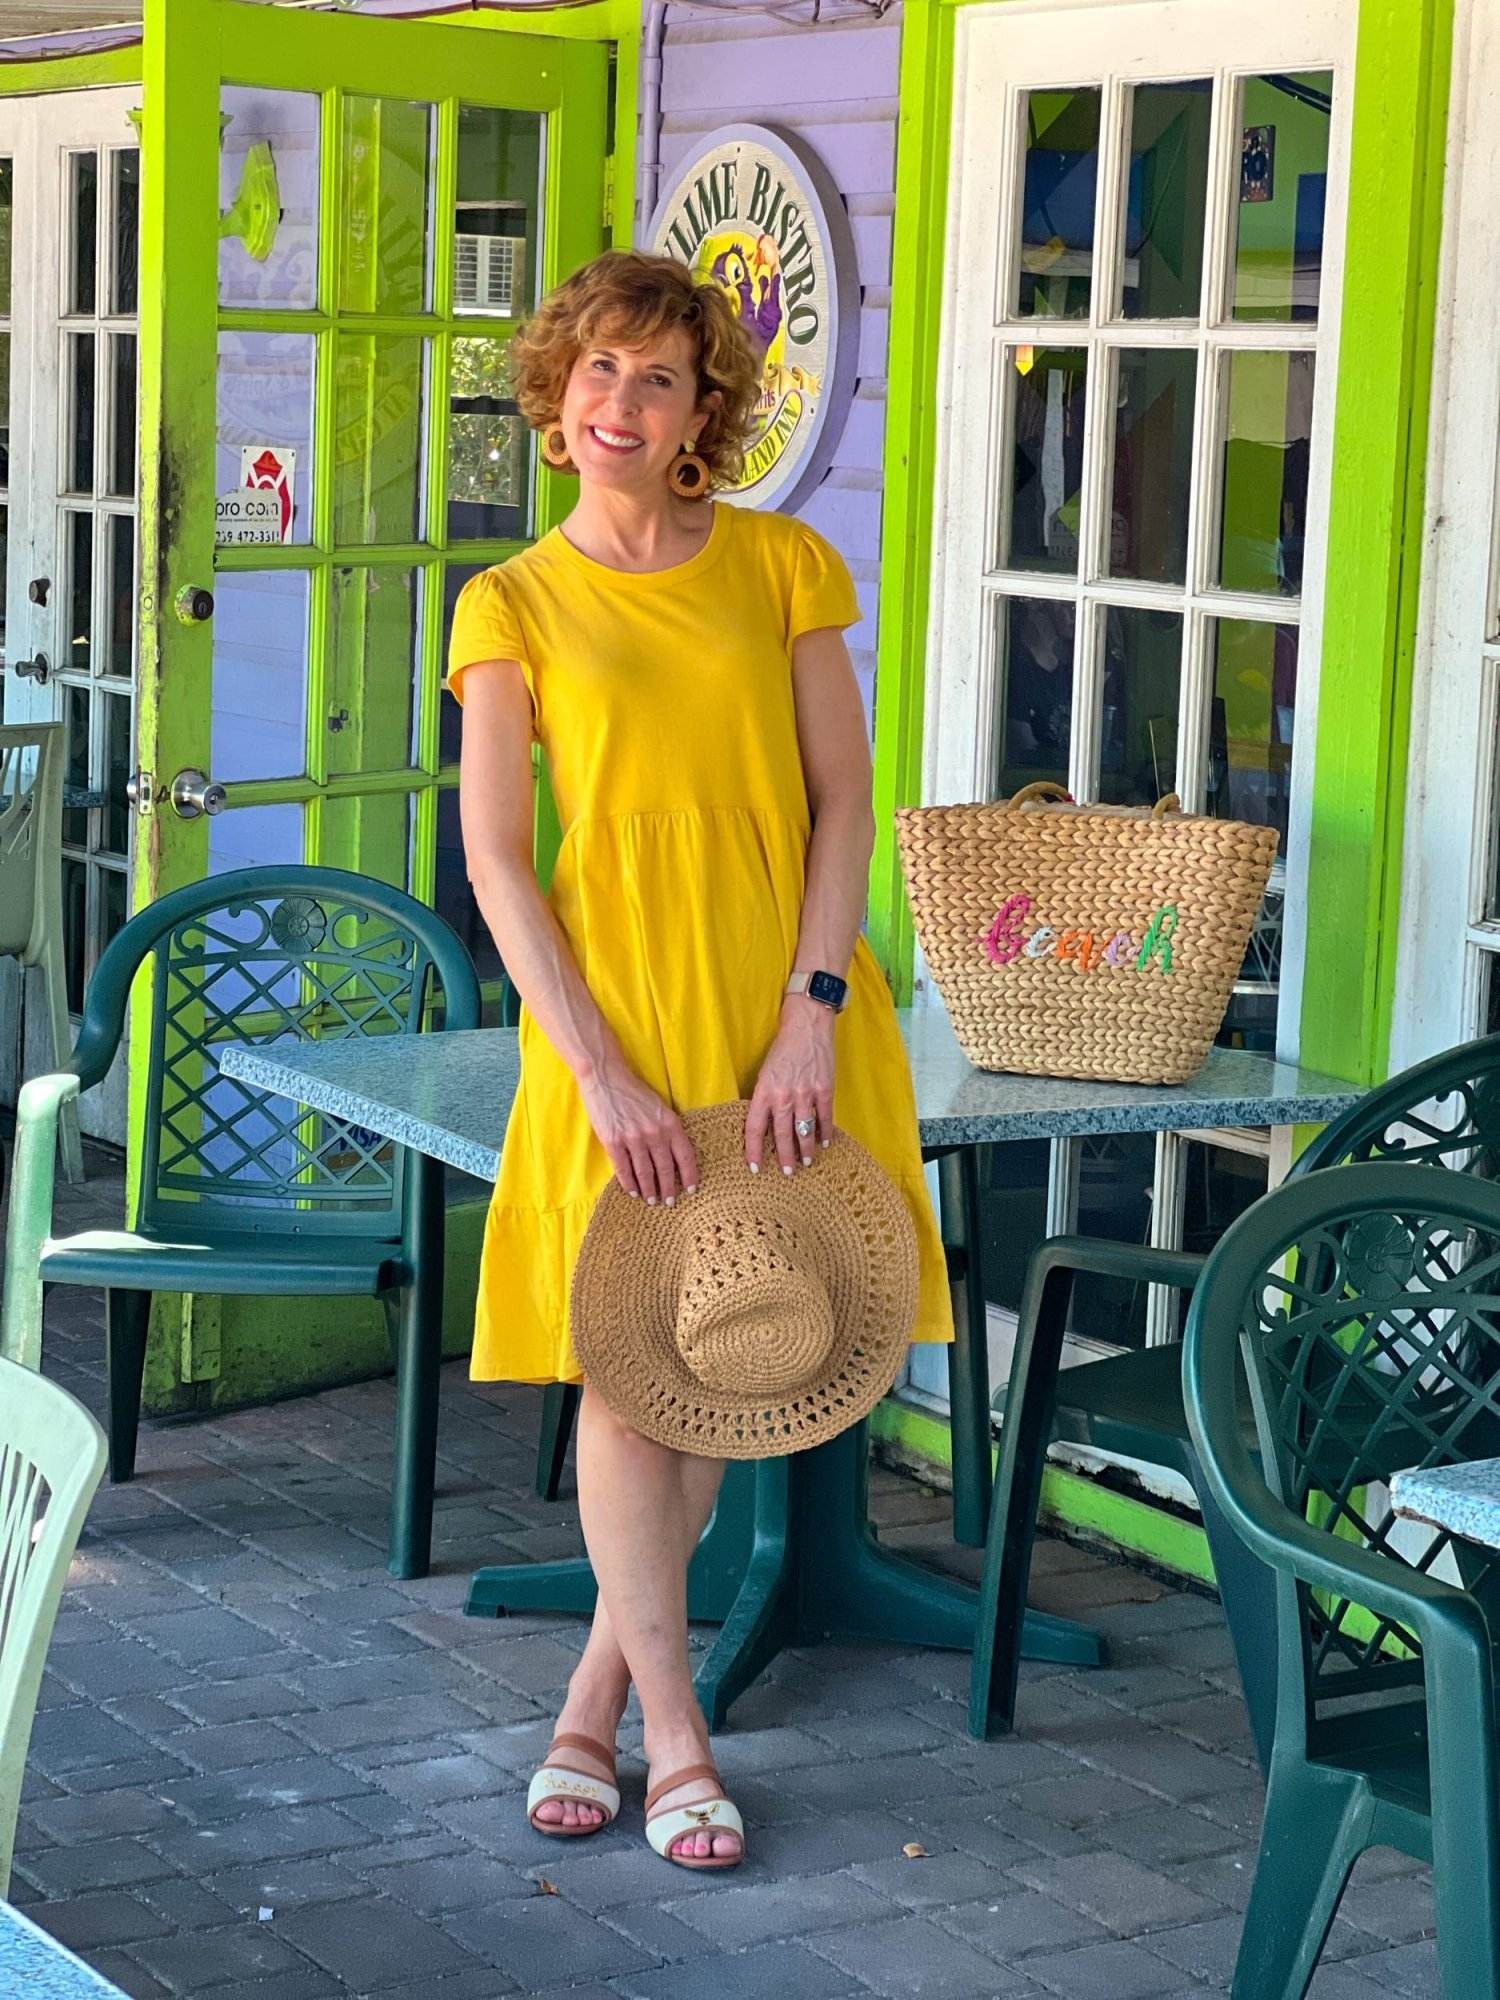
x: 1083, y: 941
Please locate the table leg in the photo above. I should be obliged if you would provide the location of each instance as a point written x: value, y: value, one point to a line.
x: 968, y: 1359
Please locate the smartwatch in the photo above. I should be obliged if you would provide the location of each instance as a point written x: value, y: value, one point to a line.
x: 824, y: 987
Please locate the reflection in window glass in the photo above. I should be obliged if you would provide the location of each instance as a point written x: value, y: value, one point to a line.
x: 372, y: 628
x: 254, y: 837
x: 120, y: 583
x: 80, y: 558
x: 4, y: 559
x: 1034, y: 669
x: 1219, y: 1185
x: 80, y: 383
x: 125, y: 259
x: 1153, y: 447
x: 1166, y: 200
x: 489, y: 447
x: 377, y: 446
x: 114, y: 900
x: 453, y: 897
x: 1283, y: 184
x: 268, y: 178
x: 1116, y: 1175
x: 1057, y: 203
x: 75, y: 720
x: 1049, y: 396
x: 450, y: 716
x: 1268, y: 404
x: 1138, y: 725
x: 384, y: 167
x: 75, y: 899
x: 7, y: 198
x: 495, y: 228
x: 259, y: 698
x: 117, y: 769
x: 4, y: 409
x: 1012, y: 1215
x: 370, y: 834
x: 265, y: 391
x: 83, y: 182
x: 122, y: 417
x: 1252, y: 722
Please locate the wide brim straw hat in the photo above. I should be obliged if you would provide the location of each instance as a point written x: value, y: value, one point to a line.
x: 763, y: 1314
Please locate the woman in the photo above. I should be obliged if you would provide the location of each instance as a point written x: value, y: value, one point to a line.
x: 683, y: 666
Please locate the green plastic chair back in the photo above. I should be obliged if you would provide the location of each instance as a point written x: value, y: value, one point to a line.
x: 51, y: 1460
x: 270, y: 955
x: 1444, y: 1112
x: 1364, y: 1307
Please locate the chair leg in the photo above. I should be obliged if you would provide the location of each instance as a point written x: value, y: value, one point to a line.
x: 69, y: 1134
x: 1027, y: 1431
x: 127, y: 1316
x: 1317, y: 1825
x: 419, y: 1358
x: 559, y: 1414
x: 1247, y: 1591
x: 1465, y: 1829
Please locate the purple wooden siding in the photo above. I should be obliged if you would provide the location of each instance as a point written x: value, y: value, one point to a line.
x: 835, y: 84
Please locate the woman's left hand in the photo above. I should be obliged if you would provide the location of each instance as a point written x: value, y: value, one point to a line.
x: 795, y: 1086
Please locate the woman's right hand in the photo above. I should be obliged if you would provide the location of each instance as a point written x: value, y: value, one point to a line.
x: 647, y: 1143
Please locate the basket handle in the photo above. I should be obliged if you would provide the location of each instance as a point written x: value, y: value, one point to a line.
x: 1044, y: 788
x: 1168, y: 803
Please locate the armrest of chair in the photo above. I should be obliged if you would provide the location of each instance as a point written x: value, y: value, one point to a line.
x: 33, y: 1176
x: 1180, y: 1269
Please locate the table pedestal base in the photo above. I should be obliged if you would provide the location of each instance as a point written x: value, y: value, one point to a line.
x: 790, y: 1559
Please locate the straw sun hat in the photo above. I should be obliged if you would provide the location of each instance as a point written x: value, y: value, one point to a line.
x: 763, y: 1314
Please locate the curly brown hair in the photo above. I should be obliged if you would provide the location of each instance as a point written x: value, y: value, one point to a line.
x: 628, y: 297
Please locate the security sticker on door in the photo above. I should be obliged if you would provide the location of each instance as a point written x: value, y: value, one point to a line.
x: 241, y: 518
x: 271, y: 468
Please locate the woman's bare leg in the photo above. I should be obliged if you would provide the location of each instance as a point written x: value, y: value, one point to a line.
x: 678, y: 1497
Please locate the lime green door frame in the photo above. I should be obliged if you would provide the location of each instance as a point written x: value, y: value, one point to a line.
x: 1402, y: 63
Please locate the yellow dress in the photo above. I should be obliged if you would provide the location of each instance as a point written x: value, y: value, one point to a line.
x: 664, y: 704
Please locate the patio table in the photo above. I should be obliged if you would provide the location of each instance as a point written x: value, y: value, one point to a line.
x: 37, y: 1966
x: 1463, y: 1499
x: 790, y: 1556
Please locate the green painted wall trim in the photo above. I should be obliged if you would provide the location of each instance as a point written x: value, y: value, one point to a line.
x: 1069, y: 1499
x: 1402, y: 67
x: 87, y: 72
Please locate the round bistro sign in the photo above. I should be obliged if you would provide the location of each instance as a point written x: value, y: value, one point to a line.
x: 758, y: 214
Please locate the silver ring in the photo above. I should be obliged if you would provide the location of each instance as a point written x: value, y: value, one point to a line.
x: 805, y: 1126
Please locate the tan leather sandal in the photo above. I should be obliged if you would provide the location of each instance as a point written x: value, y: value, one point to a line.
x: 555, y: 1780
x: 716, y: 1815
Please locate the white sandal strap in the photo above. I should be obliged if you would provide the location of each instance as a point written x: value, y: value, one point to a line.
x: 556, y: 1781
x: 710, y: 1816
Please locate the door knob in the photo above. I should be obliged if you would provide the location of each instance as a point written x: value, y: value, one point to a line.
x: 37, y: 589
x: 38, y: 670
x: 193, y: 794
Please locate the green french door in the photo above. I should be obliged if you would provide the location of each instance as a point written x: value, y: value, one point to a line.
x: 343, y: 222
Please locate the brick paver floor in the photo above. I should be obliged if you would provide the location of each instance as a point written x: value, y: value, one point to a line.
x: 262, y: 1770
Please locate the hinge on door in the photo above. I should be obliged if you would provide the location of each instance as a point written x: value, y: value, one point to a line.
x: 609, y: 193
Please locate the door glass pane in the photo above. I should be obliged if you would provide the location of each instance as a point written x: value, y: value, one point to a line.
x: 120, y: 586
x: 1048, y: 400
x: 489, y: 447
x: 83, y: 187
x: 1166, y: 200
x: 1116, y: 1175
x: 7, y: 199
x: 453, y: 896
x: 75, y: 720
x: 4, y: 409
x: 121, y: 467
x: 377, y: 439
x: 254, y: 837
x: 1153, y: 448
x: 4, y: 559
x: 495, y: 219
x: 268, y: 179
x: 1056, y: 260
x: 1218, y: 1185
x: 1283, y: 181
x: 80, y: 559
x: 372, y: 650
x: 450, y: 716
x: 79, y: 385
x: 1138, y: 733
x: 1250, y: 730
x: 125, y: 256
x: 1034, y: 668
x: 370, y: 834
x: 265, y: 419
x: 1267, y: 414
x: 259, y: 676
x: 75, y: 892
x: 113, y: 897
x: 384, y: 172
x: 117, y: 769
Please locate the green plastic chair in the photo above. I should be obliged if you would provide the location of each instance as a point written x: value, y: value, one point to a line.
x: 245, y: 1193
x: 1363, y: 1309
x: 51, y: 1460
x: 31, y: 921
x: 1442, y: 1112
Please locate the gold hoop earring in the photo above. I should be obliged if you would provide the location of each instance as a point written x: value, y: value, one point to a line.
x: 555, y: 449
x: 688, y: 475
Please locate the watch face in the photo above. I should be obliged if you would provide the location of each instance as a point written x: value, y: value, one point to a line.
x: 825, y: 987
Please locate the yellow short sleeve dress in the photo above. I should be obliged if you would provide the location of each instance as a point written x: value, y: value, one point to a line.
x: 664, y: 705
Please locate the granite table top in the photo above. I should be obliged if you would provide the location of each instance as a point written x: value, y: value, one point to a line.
x: 36, y: 1965
x: 450, y: 1095
x: 1464, y: 1499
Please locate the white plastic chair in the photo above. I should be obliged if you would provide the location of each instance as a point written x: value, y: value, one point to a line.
x: 31, y: 922
x: 51, y: 1460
